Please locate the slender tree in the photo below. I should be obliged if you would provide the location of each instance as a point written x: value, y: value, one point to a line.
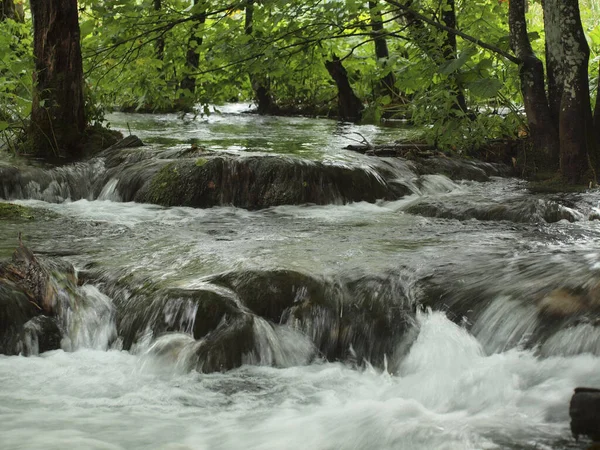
x: 388, y: 81
x: 349, y: 105
x: 260, y: 83
x: 192, y: 57
x: 160, y: 41
x: 450, y: 49
x: 58, y: 118
x: 542, y: 127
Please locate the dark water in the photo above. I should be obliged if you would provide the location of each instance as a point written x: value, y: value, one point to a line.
x: 476, y: 383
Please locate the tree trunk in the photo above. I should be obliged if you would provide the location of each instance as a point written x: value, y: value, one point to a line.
x: 597, y: 113
x: 554, y: 56
x: 450, y: 48
x: 541, y: 126
x: 57, y: 117
x: 575, y: 129
x: 8, y: 10
x: 349, y: 105
x: 260, y: 83
x: 160, y: 42
x: 192, y: 57
x: 388, y: 82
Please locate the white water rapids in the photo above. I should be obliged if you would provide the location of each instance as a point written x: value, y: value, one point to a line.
x: 447, y: 394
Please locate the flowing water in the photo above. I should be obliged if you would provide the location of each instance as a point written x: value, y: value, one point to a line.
x: 477, y: 369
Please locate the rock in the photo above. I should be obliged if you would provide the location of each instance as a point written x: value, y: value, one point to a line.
x: 225, y: 347
x: 32, y: 291
x: 584, y: 410
x: 259, y: 182
x: 518, y: 210
x: 130, y: 141
x: 41, y: 334
x: 16, y: 310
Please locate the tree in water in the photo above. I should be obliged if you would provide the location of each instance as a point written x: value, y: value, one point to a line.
x: 349, y: 105
x: 58, y: 117
x: 565, y: 117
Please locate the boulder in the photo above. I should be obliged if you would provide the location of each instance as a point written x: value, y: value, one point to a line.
x: 257, y: 182
x: 584, y: 410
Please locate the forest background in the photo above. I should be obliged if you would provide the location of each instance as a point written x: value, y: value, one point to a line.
x: 453, y: 68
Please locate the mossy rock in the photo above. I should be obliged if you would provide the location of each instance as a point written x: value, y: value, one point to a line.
x: 261, y: 182
x: 10, y: 211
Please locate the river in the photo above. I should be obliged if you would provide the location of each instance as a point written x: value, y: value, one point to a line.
x: 490, y: 380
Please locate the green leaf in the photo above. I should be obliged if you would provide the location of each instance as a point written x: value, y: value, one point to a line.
x: 454, y: 64
x: 3, y: 126
x: 86, y: 28
x: 485, y: 88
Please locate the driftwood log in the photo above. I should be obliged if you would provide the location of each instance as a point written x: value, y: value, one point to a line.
x: 584, y: 410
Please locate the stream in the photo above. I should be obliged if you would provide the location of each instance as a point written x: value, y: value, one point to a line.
x: 470, y: 267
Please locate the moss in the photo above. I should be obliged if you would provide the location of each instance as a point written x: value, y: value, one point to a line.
x: 553, y: 183
x: 201, y: 161
x: 10, y: 211
x: 164, y: 186
x: 97, y: 138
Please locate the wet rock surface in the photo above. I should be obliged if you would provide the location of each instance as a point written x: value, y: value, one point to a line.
x: 518, y: 210
x: 34, y: 292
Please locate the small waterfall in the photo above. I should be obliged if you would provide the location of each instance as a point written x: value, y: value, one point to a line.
x: 575, y: 340
x: 279, y: 345
x: 90, y: 322
x: 110, y: 192
x: 72, y: 182
x: 506, y: 323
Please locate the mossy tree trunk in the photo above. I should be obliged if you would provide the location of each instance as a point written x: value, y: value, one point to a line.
x: 349, y: 105
x: 58, y: 117
x: 543, y: 129
x: 569, y: 53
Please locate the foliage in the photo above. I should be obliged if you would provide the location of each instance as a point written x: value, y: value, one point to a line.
x: 16, y: 66
x: 136, y: 54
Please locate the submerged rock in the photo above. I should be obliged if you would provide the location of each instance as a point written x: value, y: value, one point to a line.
x: 519, y: 210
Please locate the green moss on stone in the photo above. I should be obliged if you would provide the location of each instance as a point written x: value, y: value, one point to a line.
x: 164, y: 186
x: 10, y: 211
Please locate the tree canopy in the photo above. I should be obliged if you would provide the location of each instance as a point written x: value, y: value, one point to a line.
x: 449, y: 66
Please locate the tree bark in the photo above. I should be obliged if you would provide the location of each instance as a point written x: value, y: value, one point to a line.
x: 597, y: 113
x: 57, y: 118
x: 388, y: 82
x: 8, y: 10
x: 349, y: 105
x: 450, y: 48
x: 531, y: 72
x: 192, y: 57
x: 554, y: 56
x: 260, y: 83
x: 160, y: 42
x: 575, y: 129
